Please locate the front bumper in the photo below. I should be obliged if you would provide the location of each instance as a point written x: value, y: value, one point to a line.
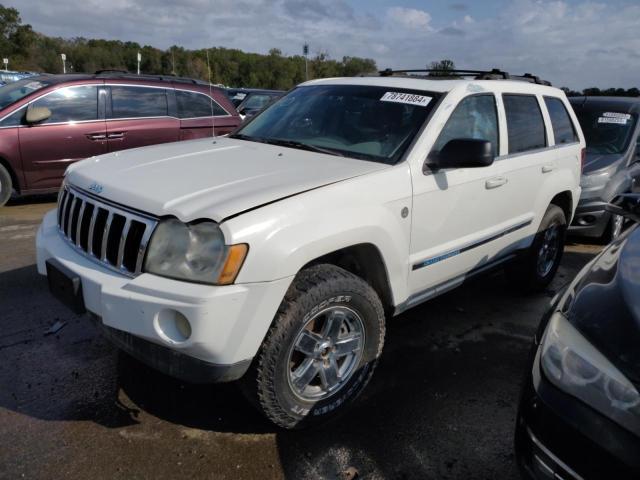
x: 560, y: 437
x: 228, y: 323
x: 591, y: 219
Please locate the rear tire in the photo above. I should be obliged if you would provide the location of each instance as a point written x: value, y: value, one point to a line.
x: 6, y: 186
x: 320, y: 351
x: 535, y: 269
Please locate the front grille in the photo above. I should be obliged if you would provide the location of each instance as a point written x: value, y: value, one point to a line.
x: 110, y: 234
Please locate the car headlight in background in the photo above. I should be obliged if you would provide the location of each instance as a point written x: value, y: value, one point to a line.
x: 193, y: 252
x: 595, y: 180
x: 575, y: 366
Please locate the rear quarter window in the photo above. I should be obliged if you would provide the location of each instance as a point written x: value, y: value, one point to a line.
x: 563, y: 129
x: 195, y: 105
x: 525, y: 125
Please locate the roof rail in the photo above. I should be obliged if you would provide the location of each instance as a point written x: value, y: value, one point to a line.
x: 159, y: 78
x: 493, y: 74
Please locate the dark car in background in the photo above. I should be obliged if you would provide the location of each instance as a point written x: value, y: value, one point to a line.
x: 579, y: 413
x: 255, y: 101
x: 612, y: 165
x: 50, y: 121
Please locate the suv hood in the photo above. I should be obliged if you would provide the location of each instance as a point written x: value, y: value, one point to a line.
x: 598, y: 161
x: 209, y: 178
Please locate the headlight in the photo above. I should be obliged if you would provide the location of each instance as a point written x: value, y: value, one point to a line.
x: 575, y: 366
x: 594, y: 180
x: 196, y: 253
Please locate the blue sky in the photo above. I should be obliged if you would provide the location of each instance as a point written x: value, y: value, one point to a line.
x: 575, y: 43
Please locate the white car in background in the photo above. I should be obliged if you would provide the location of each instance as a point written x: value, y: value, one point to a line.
x: 276, y: 255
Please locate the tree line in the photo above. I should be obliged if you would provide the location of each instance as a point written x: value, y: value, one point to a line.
x: 29, y: 50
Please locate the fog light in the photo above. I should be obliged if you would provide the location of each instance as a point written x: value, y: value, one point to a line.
x: 173, y: 325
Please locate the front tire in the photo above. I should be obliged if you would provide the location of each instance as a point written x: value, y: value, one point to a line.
x: 535, y: 269
x: 6, y: 186
x: 321, y: 349
x: 614, y: 229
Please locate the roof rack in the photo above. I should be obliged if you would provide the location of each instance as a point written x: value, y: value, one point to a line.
x: 159, y: 78
x: 493, y: 74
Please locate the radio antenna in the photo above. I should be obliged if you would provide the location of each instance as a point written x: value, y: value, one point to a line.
x: 213, y: 118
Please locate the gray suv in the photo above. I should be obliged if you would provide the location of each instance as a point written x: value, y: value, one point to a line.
x: 612, y: 165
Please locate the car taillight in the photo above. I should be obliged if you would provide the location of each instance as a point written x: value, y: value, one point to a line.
x: 583, y: 157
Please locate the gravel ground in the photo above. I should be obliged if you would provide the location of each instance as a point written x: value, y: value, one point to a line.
x: 441, y: 405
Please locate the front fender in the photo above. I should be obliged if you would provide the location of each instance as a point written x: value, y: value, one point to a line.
x: 288, y: 234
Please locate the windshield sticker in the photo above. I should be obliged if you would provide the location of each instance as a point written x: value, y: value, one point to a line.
x: 619, y: 121
x: 626, y: 116
x: 407, y: 98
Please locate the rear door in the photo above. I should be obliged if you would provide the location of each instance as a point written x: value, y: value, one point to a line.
x: 139, y: 115
x: 200, y: 114
x: 75, y: 130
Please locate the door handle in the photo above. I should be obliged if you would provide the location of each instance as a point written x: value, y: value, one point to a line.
x: 116, y: 135
x: 495, y: 182
x: 96, y: 136
x: 547, y: 168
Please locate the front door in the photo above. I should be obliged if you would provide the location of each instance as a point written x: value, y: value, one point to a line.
x: 457, y: 213
x: 75, y: 130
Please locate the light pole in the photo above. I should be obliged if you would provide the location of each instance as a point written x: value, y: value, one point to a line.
x: 64, y: 62
x: 139, y: 59
x: 305, y: 52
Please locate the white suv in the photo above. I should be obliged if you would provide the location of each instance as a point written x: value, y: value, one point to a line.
x: 274, y: 255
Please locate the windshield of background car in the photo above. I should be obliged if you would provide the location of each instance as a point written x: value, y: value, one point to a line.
x: 15, y: 91
x: 364, y: 122
x: 606, y: 132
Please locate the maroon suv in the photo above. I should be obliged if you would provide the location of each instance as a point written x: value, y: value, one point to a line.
x: 50, y: 121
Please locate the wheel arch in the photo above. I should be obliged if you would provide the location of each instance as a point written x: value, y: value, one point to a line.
x: 564, y: 200
x: 366, y: 261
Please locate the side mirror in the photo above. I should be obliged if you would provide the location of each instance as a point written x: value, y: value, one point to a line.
x: 627, y: 205
x: 37, y: 114
x: 462, y: 153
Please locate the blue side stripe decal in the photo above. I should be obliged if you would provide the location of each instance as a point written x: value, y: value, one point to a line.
x: 454, y: 253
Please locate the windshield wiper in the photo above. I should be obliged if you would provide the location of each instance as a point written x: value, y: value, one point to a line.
x: 301, y: 146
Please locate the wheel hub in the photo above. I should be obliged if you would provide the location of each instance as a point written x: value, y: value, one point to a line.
x: 326, y: 353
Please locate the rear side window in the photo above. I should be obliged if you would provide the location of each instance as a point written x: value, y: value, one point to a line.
x: 563, y: 130
x: 525, y: 125
x: 71, y: 104
x: 474, y: 117
x: 195, y: 105
x: 136, y: 102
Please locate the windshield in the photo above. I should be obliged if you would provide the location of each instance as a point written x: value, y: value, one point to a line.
x: 15, y: 91
x: 255, y: 101
x: 606, y: 132
x: 365, y: 122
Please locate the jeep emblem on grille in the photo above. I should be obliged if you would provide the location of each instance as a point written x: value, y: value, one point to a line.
x: 95, y: 187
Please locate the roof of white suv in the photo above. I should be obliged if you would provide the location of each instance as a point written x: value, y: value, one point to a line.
x: 441, y: 86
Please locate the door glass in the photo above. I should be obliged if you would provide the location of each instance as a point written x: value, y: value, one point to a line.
x: 474, y: 117
x: 137, y: 102
x: 195, y: 105
x: 563, y: 130
x: 524, y: 123
x: 70, y: 104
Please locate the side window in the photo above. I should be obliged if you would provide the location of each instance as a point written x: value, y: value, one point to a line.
x: 474, y: 117
x: 69, y: 104
x: 563, y: 129
x: 525, y: 124
x: 194, y: 105
x: 136, y: 102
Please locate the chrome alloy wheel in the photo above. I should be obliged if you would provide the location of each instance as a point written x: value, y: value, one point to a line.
x: 549, y: 250
x: 326, y: 353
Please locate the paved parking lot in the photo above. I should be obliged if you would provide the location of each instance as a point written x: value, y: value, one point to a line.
x: 441, y: 405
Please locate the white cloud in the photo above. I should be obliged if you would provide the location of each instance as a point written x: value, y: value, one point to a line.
x: 409, y: 17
